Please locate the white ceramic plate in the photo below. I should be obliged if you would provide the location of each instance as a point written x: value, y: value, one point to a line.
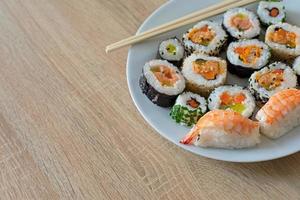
x: 159, y: 118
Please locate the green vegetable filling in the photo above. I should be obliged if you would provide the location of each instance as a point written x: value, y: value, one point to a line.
x: 238, y: 107
x: 171, y: 49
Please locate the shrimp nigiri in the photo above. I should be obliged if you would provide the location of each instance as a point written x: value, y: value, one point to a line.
x: 224, y: 129
x: 280, y: 114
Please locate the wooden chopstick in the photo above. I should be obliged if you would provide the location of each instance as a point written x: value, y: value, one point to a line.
x: 189, y: 19
x: 180, y: 20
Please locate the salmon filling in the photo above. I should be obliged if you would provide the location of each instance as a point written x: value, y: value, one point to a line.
x: 193, y: 103
x: 202, y: 36
x: 270, y: 80
x: 241, y: 22
x: 233, y: 102
x: 249, y: 54
x: 208, y: 69
x: 283, y: 37
x: 165, y: 75
x: 274, y: 12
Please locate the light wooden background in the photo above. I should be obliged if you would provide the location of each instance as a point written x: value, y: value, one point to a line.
x: 68, y: 127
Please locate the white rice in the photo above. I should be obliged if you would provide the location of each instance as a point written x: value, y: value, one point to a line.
x: 219, y: 138
x: 214, y: 46
x: 152, y: 80
x: 289, y: 81
x: 169, y: 56
x: 214, y: 101
x: 263, y: 12
x: 234, y: 31
x: 296, y: 66
x: 234, y: 57
x: 281, y: 49
x: 190, y: 75
x: 183, y: 98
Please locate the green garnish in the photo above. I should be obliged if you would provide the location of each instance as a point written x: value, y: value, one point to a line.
x: 183, y: 115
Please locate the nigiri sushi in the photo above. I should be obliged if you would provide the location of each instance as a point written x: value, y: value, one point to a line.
x: 280, y: 114
x: 224, y: 129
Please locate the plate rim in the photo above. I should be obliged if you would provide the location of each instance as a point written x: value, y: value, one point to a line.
x: 145, y: 22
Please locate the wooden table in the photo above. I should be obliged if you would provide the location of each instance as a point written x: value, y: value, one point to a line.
x: 68, y: 127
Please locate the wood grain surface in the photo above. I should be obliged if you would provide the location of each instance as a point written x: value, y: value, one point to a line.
x: 68, y: 127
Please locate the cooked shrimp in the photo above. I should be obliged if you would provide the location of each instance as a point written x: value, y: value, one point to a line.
x: 231, y: 122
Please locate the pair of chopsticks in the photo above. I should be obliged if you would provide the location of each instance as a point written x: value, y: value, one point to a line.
x: 186, y: 20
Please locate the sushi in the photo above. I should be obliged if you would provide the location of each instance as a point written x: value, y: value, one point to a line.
x: 270, y: 80
x: 205, y: 37
x: 161, y: 82
x: 247, y: 56
x: 189, y: 107
x: 281, y: 114
x: 204, y: 73
x: 284, y: 40
x: 234, y: 98
x: 224, y: 129
x: 271, y: 12
x: 296, y: 67
x: 172, y: 51
x: 241, y: 23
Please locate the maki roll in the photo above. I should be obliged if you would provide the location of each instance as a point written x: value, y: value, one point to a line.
x: 234, y: 98
x: 241, y: 23
x: 172, y: 51
x: 296, y: 67
x: 247, y: 56
x: 189, y: 107
x: 281, y: 114
x: 270, y: 80
x: 271, y: 12
x: 161, y: 82
x: 223, y: 129
x: 204, y: 73
x: 284, y: 40
x: 205, y: 37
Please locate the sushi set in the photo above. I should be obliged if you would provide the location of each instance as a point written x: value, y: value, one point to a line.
x: 188, y: 78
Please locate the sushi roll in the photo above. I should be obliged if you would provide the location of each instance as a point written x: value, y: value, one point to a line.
x: 224, y: 129
x: 270, y: 80
x: 296, y: 67
x: 284, y: 40
x: 205, y: 37
x: 271, y: 12
x: 234, y: 98
x: 281, y: 114
x: 189, y: 107
x: 204, y: 73
x: 172, y: 51
x: 247, y: 56
x: 161, y: 82
x: 241, y: 23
